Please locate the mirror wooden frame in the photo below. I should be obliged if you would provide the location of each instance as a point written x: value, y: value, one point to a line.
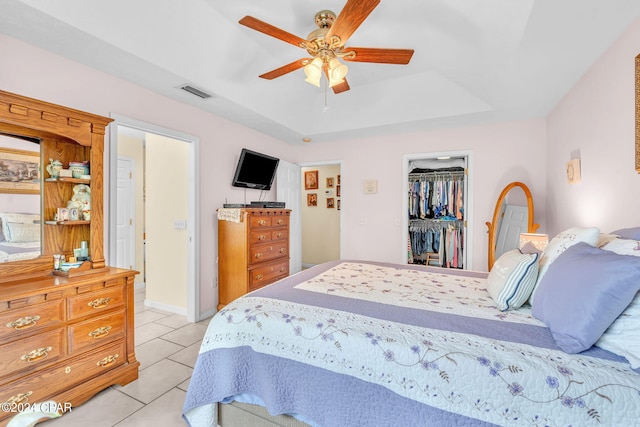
x: 638, y: 113
x: 493, y: 232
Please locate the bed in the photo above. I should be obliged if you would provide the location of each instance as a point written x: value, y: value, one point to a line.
x: 357, y: 343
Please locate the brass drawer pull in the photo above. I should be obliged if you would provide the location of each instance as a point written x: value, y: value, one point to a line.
x: 100, y: 332
x: 282, y: 250
x: 262, y: 222
x: 280, y: 221
x: 279, y: 235
x: 260, y: 277
x: 35, y: 355
x: 282, y: 270
x: 262, y: 237
x: 259, y: 255
x: 108, y: 360
x: 99, y: 302
x: 23, y: 322
x: 19, y: 398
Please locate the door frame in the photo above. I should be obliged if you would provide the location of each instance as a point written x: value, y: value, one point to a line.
x: 302, y: 199
x: 193, y: 230
x: 468, y: 205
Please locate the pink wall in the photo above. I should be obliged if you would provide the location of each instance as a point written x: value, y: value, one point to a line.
x: 502, y: 153
x: 36, y: 73
x: 595, y: 122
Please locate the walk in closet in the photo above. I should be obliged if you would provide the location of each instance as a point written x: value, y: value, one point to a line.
x: 436, y: 208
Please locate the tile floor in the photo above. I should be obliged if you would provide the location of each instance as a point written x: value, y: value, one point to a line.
x: 166, y: 346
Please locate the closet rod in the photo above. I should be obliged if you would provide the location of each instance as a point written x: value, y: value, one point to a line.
x: 452, y: 174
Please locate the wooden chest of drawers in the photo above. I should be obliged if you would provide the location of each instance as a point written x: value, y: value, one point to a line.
x: 253, y: 252
x: 65, y: 339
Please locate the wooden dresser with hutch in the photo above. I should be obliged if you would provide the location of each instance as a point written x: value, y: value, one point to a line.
x: 253, y: 251
x: 63, y: 336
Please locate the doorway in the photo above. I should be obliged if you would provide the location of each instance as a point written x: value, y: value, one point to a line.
x: 438, y: 233
x: 169, y: 206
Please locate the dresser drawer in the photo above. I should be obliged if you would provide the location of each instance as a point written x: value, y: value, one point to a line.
x: 31, y: 352
x: 264, y: 252
x: 40, y: 385
x: 95, y: 302
x: 19, y: 321
x: 264, y: 275
x: 96, y: 331
x: 257, y: 222
x: 280, y: 221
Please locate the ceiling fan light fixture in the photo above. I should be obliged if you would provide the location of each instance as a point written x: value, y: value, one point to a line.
x: 337, y: 70
x: 313, y: 81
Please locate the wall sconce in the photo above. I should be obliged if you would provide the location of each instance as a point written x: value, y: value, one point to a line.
x: 539, y: 241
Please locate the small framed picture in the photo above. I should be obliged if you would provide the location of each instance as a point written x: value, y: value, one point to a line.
x: 63, y: 214
x: 338, y: 179
x: 330, y: 182
x: 74, y: 214
x: 311, y: 180
x: 312, y: 199
x: 337, y: 191
x: 330, y: 202
x: 338, y: 204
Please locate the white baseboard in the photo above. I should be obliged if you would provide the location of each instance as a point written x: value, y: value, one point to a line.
x: 165, y: 307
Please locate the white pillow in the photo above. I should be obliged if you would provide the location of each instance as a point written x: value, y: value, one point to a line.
x: 22, y: 233
x: 560, y: 243
x: 623, y: 247
x: 623, y: 336
x: 512, y: 279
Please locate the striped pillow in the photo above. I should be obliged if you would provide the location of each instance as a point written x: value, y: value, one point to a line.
x: 512, y: 279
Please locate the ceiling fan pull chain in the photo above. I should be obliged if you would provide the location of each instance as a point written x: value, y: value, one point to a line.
x: 326, y: 102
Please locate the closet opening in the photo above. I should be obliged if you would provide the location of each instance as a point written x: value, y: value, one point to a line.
x: 438, y: 210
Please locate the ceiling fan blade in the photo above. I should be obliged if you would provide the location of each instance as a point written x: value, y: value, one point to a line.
x: 341, y: 87
x: 383, y: 56
x: 270, y: 30
x: 352, y: 15
x: 285, y: 69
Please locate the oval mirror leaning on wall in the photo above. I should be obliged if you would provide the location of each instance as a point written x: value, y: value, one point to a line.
x: 20, y: 202
x: 513, y: 215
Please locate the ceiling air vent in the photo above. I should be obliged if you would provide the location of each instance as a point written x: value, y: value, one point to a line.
x: 195, y: 91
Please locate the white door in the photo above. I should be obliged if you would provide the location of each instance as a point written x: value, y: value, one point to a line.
x: 125, y: 215
x: 288, y: 191
x: 514, y: 221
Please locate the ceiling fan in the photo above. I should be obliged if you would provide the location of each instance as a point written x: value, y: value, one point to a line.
x: 326, y: 45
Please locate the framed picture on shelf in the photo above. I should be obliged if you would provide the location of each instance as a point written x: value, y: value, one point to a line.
x: 312, y: 199
x: 330, y: 202
x: 19, y: 171
x: 311, y: 180
x: 330, y: 182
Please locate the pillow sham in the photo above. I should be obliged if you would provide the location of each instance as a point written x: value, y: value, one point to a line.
x: 623, y: 336
x: 560, y: 243
x: 623, y: 247
x: 22, y: 218
x: 628, y: 233
x: 512, y: 278
x: 583, y: 292
x: 529, y: 248
x: 22, y: 233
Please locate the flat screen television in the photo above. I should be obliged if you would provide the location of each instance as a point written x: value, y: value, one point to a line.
x: 255, y: 170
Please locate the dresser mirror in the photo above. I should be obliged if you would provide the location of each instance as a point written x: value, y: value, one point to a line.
x: 20, y: 198
x: 513, y: 215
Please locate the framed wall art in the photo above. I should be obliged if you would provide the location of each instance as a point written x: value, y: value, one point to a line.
x: 311, y: 180
x: 330, y: 202
x: 19, y: 171
x: 330, y: 182
x: 312, y: 199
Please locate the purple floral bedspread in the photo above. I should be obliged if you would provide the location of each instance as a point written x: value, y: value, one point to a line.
x: 371, y: 344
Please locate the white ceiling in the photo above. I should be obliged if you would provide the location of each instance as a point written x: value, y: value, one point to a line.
x: 475, y: 61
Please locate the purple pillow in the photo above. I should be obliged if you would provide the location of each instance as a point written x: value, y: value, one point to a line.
x: 629, y: 233
x: 584, y: 290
